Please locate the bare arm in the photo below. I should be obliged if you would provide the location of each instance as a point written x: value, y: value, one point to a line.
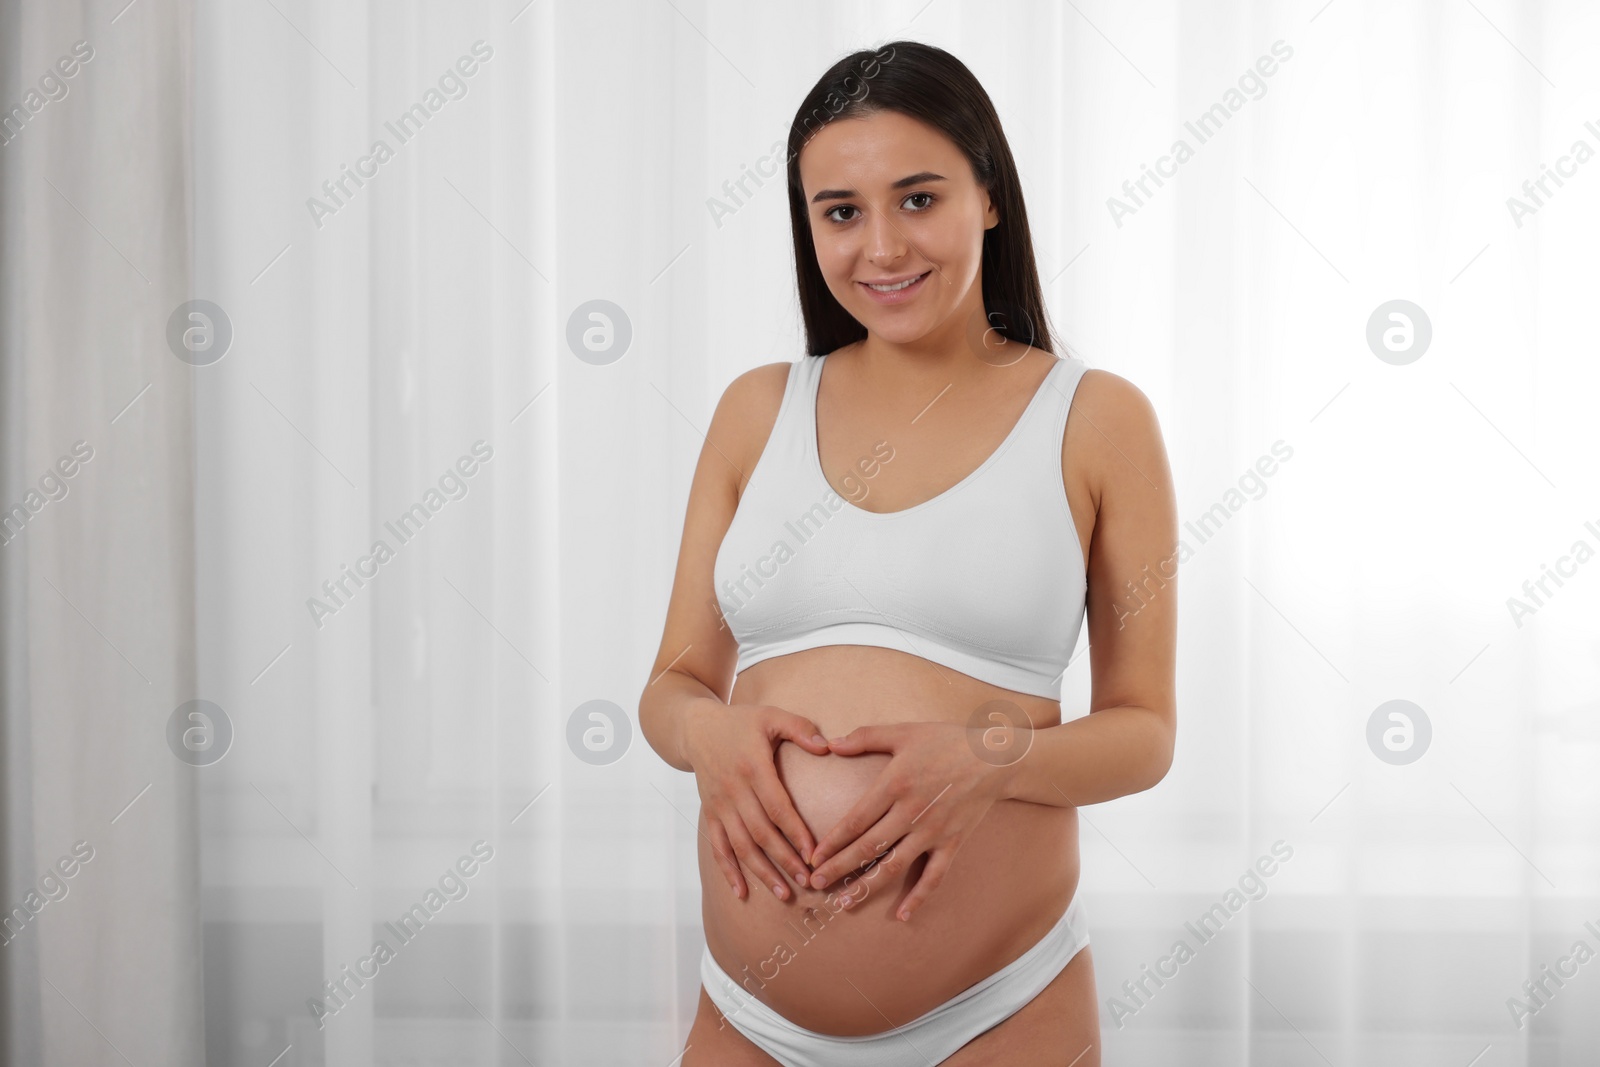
x: 694, y: 665
x: 684, y: 712
x: 1125, y: 744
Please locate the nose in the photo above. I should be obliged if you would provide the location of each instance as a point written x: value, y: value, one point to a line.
x: 885, y: 243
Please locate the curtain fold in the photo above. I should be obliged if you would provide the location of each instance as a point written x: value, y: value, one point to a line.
x: 101, y: 869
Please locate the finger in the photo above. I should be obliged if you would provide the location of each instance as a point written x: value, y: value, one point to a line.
x: 780, y: 809
x: 774, y: 844
x: 865, y: 846
x: 862, y: 739
x: 887, y: 862
x: 730, y: 866
x: 866, y: 811
x: 755, y: 860
x: 939, y: 861
x: 805, y: 733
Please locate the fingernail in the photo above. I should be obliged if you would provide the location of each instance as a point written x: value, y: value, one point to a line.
x: 817, y: 882
x: 838, y: 740
x: 777, y: 890
x: 819, y: 739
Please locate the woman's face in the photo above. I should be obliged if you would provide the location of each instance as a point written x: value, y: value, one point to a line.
x: 891, y: 198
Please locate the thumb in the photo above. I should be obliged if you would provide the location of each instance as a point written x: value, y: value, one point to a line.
x: 804, y: 733
x: 861, y: 739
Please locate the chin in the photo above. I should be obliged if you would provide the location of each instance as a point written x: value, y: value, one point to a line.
x: 899, y: 330
x: 896, y: 334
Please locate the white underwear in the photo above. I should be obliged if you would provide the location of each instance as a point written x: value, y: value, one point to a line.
x: 927, y: 1039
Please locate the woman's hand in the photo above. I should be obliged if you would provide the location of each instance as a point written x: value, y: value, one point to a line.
x: 732, y: 748
x: 932, y: 794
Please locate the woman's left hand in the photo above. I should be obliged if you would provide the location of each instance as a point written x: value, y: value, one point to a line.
x: 928, y: 798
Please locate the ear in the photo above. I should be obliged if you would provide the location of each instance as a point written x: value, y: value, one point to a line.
x: 991, y: 215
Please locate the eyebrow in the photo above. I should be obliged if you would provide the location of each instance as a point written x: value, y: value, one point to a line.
x: 844, y: 194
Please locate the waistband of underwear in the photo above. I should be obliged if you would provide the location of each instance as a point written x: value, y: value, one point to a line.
x: 1020, y: 981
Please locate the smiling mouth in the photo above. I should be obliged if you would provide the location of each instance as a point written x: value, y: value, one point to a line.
x: 895, y: 288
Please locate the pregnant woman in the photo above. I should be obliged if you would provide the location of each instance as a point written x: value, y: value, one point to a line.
x: 894, y: 542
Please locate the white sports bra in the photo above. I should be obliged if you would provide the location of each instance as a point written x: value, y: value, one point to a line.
x: 986, y: 578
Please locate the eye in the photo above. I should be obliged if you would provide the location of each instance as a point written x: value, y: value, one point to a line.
x: 928, y: 197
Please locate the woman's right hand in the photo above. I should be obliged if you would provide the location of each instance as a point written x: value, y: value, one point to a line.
x: 748, y: 812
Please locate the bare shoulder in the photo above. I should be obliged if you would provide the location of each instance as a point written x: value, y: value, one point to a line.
x: 1103, y: 393
x: 1113, y: 432
x: 746, y: 414
x: 759, y: 385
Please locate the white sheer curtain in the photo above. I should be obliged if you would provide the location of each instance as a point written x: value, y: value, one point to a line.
x: 1358, y: 522
x: 100, y: 873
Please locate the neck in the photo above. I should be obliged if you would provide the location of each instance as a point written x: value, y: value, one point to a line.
x: 960, y: 348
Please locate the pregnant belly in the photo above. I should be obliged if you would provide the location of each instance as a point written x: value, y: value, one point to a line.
x: 862, y: 971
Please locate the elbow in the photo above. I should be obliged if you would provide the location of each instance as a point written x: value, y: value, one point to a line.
x: 1158, y: 771
x: 1161, y: 748
x: 647, y: 728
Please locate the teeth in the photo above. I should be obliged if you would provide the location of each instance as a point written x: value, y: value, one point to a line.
x: 895, y: 288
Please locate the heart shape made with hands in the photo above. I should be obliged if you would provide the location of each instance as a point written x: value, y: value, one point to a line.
x: 833, y: 743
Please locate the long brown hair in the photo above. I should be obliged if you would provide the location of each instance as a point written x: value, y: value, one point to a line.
x: 934, y: 87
